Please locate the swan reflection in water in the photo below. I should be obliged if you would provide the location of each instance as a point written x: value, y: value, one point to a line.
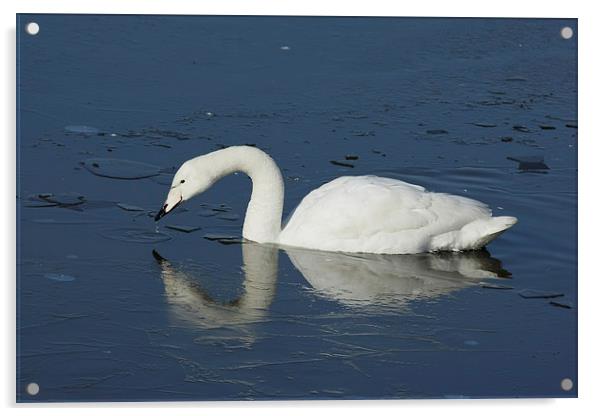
x: 191, y: 304
x: 381, y: 280
x: 364, y: 281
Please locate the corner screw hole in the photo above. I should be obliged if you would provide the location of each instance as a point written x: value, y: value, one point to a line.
x: 32, y: 389
x: 566, y: 32
x: 566, y: 384
x: 32, y: 28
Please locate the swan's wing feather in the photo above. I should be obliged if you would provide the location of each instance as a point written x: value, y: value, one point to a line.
x: 350, y: 206
x: 371, y: 208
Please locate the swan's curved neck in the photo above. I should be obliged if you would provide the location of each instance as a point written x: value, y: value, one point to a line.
x: 264, y: 212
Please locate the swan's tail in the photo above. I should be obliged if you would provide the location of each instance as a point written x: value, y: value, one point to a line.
x: 474, y: 235
x: 492, y: 228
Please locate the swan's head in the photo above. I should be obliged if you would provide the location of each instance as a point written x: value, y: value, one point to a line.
x: 190, y: 180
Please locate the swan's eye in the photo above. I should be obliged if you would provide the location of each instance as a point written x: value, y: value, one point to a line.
x: 182, y: 181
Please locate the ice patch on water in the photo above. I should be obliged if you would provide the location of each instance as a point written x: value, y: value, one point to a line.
x: 136, y: 235
x: 121, y: 168
x: 59, y: 277
x: 80, y: 129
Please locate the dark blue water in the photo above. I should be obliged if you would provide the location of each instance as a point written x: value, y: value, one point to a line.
x: 441, y: 103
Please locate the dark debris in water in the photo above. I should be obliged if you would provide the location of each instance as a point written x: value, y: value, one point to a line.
x: 165, y: 146
x: 437, y: 131
x: 220, y: 208
x: 539, y: 294
x: 344, y: 164
x: 363, y: 133
x: 351, y: 157
x: 529, y: 163
x: 506, y: 139
x: 565, y: 119
x: 523, y: 129
x: 565, y: 305
x: 487, y: 125
x: 546, y: 127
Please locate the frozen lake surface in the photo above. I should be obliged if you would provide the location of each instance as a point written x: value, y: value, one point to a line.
x: 113, y: 306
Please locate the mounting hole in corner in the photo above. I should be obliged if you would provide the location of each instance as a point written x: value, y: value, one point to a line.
x: 32, y: 28
x: 566, y: 384
x: 32, y: 389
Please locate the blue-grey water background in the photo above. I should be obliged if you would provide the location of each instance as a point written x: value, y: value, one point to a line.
x: 441, y: 103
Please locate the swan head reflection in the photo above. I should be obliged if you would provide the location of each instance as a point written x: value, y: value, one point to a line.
x: 191, y: 305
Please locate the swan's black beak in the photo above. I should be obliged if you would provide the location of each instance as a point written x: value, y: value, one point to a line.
x: 163, y: 212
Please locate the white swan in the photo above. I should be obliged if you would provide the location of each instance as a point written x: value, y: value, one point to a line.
x: 355, y: 214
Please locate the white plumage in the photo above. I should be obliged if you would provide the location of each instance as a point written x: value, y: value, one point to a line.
x: 356, y: 214
x: 371, y: 214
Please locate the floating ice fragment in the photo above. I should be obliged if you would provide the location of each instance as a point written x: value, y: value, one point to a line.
x: 39, y: 204
x: 183, y: 228
x: 121, y: 168
x: 128, y: 207
x: 204, y: 212
x: 229, y: 217
x: 162, y: 179
x: 84, y: 130
x: 223, y: 238
x: 65, y: 199
x: 529, y: 162
x: 135, y: 235
x: 61, y: 222
x: 495, y: 286
x: 59, y: 277
x: 539, y: 294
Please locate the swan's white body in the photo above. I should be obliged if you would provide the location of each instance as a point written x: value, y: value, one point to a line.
x: 356, y: 214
